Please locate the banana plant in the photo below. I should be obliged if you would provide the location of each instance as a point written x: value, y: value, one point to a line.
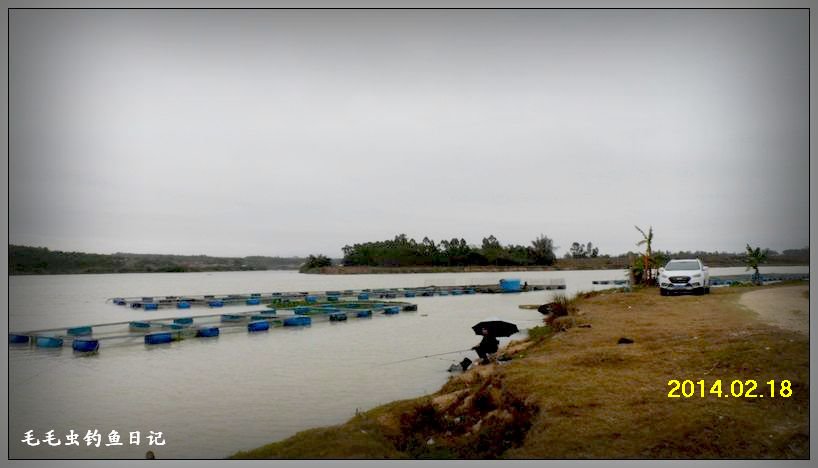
x: 647, y: 239
x: 753, y: 258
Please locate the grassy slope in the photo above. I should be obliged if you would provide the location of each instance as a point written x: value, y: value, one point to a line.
x: 583, y: 396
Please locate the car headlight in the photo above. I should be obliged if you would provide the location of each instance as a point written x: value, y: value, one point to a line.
x: 697, y: 275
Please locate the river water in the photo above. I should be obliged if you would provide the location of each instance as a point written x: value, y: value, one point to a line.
x: 212, y: 397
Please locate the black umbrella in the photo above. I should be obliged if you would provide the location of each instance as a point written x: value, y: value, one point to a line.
x: 495, y: 327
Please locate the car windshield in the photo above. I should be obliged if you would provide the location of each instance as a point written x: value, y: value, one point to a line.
x: 679, y: 266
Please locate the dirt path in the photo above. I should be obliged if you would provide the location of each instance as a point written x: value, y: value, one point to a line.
x: 786, y: 307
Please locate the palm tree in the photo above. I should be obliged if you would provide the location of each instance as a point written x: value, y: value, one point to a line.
x: 647, y: 240
x: 753, y: 258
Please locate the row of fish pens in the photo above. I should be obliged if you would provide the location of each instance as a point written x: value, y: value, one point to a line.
x: 213, y: 301
x: 181, y: 327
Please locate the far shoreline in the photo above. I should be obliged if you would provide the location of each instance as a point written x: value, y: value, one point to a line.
x: 574, y: 266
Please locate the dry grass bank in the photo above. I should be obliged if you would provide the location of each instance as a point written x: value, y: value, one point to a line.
x: 579, y: 394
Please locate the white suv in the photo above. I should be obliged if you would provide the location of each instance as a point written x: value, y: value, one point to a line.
x: 684, y: 275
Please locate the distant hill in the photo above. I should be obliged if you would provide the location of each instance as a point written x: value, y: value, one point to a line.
x: 25, y: 260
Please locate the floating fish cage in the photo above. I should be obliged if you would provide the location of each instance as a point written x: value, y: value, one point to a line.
x: 410, y: 307
x: 363, y: 313
x: 231, y: 318
x: 363, y: 296
x: 409, y: 294
x: 311, y: 299
x: 270, y: 311
x: 183, y: 320
x: 302, y: 310
x: 332, y: 298
x: 85, y: 345
x: 391, y: 310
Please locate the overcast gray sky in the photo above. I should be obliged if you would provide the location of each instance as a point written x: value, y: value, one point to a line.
x: 278, y: 132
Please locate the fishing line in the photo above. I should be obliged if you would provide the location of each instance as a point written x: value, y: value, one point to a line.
x: 424, y: 357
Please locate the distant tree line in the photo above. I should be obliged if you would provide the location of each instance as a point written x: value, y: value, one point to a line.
x: 40, y: 260
x: 402, y: 251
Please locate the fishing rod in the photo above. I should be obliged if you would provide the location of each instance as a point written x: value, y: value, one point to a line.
x: 424, y: 357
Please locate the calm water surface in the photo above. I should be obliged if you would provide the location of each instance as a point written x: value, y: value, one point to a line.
x: 212, y: 397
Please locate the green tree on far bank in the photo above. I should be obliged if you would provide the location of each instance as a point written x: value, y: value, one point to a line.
x: 316, y: 261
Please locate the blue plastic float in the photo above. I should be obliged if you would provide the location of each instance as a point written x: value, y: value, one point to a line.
x: 158, y: 338
x: 49, y: 342
x: 151, y: 306
x: 253, y: 301
x: 363, y: 313
x: 337, y: 317
x: 85, y: 345
x: 363, y: 296
x: 139, y: 326
x: 259, y: 325
x: 15, y: 338
x: 510, y: 285
x: 207, y: 332
x: 79, y: 331
x: 183, y: 305
x: 391, y: 310
x: 298, y: 321
x: 215, y: 303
